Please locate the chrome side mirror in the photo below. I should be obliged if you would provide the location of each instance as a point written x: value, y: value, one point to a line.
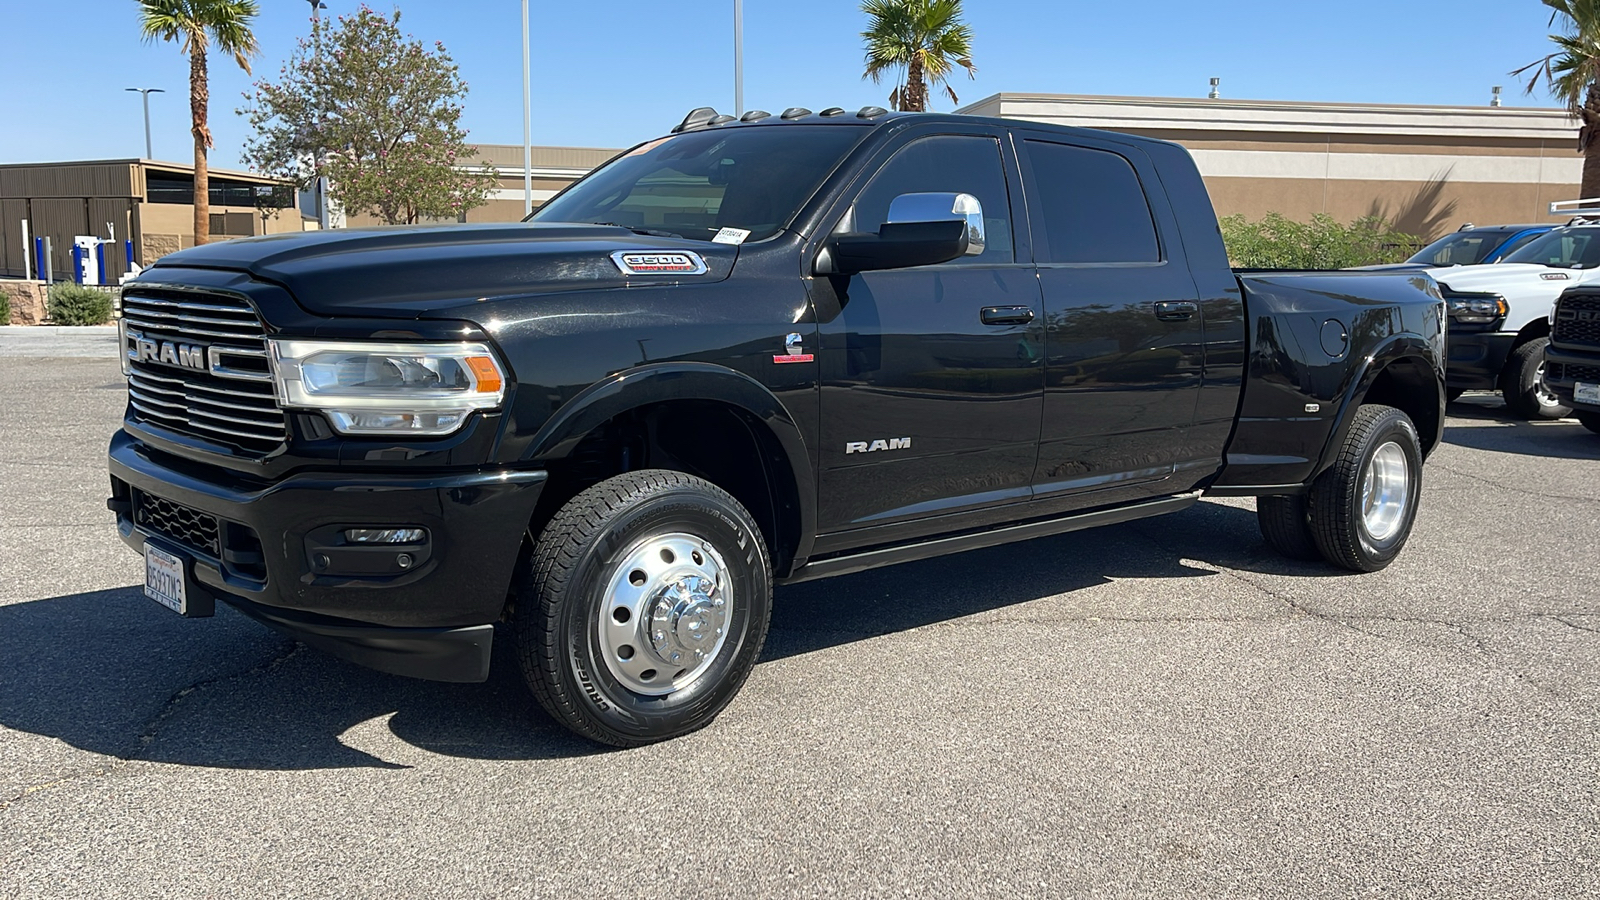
x: 938, y: 207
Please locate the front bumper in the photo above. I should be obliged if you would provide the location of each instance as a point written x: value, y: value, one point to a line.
x: 1564, y: 368
x: 271, y: 550
x: 1476, y: 358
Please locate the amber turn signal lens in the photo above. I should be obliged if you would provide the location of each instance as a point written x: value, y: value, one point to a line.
x: 484, y: 370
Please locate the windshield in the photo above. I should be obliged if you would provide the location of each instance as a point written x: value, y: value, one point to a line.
x: 1464, y: 248
x: 694, y: 185
x: 1564, y: 248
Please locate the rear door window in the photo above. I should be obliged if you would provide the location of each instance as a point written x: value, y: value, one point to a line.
x: 1090, y: 206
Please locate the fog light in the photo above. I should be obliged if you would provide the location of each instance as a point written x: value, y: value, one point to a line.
x: 385, y: 535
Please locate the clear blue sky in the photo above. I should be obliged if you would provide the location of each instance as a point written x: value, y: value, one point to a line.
x: 608, y: 73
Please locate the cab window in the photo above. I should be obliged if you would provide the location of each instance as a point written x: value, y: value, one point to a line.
x: 961, y: 164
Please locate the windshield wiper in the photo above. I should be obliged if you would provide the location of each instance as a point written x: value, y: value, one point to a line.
x: 649, y: 231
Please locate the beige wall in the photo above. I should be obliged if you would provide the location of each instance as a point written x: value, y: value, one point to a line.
x: 1428, y: 169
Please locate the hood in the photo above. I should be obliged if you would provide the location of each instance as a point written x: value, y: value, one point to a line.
x: 1508, y: 278
x: 1529, y: 289
x: 409, y: 271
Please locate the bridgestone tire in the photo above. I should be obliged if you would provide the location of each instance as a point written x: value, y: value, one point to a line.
x: 1590, y: 421
x: 1521, y: 384
x: 580, y: 555
x: 1337, y: 503
x: 1287, y: 526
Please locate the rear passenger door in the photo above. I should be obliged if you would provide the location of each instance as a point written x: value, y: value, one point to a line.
x: 1124, y: 348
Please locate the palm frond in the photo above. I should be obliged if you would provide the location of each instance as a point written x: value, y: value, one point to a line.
x: 1574, y: 68
x: 196, y: 23
x: 927, y: 33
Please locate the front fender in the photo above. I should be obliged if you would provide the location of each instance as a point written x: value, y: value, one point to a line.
x: 683, y: 380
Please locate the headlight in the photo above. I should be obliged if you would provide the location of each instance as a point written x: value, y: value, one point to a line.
x: 1476, y: 308
x: 387, y: 388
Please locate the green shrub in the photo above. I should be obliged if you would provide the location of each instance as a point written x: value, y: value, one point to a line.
x: 74, y: 304
x: 1277, y: 242
x: 5, y: 308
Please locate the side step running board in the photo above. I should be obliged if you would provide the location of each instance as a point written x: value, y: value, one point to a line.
x: 888, y: 556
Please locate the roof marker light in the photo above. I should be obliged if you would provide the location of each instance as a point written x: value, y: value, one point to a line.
x: 696, y: 118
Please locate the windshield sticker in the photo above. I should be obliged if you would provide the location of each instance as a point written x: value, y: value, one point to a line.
x: 659, y: 262
x: 731, y: 236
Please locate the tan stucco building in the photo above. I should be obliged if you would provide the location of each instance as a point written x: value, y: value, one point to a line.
x: 148, y: 201
x: 1427, y: 168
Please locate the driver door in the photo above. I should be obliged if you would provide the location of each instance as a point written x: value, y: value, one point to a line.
x: 932, y: 377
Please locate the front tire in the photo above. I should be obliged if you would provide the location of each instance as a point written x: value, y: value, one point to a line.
x: 644, y: 607
x: 1362, y: 508
x: 1522, y: 384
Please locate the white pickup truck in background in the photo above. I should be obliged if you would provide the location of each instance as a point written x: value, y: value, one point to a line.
x: 1500, y: 317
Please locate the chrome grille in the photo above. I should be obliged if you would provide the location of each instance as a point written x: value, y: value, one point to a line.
x: 1577, y: 321
x: 232, y: 401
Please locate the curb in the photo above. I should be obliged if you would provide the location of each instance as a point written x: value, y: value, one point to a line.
x: 84, y: 341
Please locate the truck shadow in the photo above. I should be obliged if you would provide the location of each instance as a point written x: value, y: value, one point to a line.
x: 1564, y: 439
x: 110, y: 673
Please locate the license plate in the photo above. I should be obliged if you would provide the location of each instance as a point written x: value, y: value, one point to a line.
x: 1584, y: 392
x: 164, y: 581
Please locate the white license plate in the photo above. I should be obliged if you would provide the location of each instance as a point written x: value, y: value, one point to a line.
x: 163, y: 579
x: 1584, y: 392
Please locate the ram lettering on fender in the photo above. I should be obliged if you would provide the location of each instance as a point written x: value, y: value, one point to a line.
x: 900, y: 443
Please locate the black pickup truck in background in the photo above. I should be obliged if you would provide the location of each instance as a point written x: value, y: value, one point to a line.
x: 752, y: 352
x: 1572, y: 360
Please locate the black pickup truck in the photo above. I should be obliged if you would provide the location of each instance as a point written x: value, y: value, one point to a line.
x: 1572, y: 360
x: 753, y: 352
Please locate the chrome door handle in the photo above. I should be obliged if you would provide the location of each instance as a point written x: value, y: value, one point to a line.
x: 1176, y: 310
x: 1006, y: 315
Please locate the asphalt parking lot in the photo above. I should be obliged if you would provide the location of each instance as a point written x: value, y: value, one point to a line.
x: 1161, y: 709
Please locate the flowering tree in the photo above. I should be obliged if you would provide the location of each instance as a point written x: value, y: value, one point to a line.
x: 378, y: 113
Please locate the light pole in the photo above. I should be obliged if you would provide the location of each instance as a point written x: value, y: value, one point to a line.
x: 527, y: 117
x: 145, y: 95
x: 319, y: 187
x: 738, y: 57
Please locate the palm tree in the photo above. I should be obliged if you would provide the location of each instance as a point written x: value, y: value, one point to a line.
x: 1573, y: 76
x: 197, y: 23
x: 925, y: 38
